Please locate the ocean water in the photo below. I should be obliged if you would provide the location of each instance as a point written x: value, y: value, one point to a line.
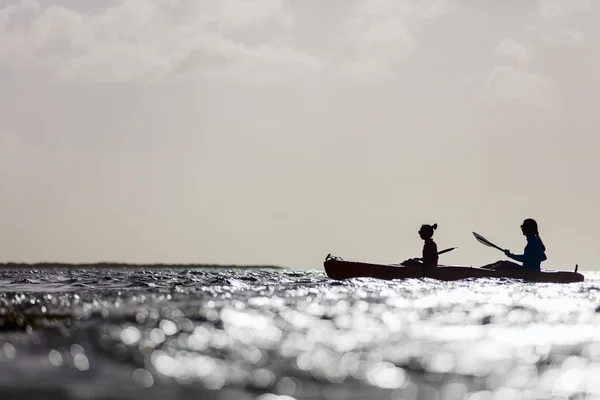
x: 278, y: 334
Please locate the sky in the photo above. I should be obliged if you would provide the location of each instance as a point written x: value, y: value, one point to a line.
x: 278, y: 131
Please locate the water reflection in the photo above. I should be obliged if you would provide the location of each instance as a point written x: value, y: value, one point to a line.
x: 283, y: 334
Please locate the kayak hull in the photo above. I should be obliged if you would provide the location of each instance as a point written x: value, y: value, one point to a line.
x: 340, y: 269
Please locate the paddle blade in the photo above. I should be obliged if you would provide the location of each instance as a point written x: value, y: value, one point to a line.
x: 481, y: 239
x: 486, y: 242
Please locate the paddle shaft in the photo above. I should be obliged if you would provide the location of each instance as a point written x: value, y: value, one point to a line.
x: 442, y: 252
x: 447, y: 250
x: 496, y: 247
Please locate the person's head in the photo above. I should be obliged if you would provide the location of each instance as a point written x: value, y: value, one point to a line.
x: 530, y: 227
x: 426, y: 231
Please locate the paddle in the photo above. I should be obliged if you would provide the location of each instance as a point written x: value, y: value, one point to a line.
x: 447, y: 250
x: 486, y: 242
x: 441, y: 252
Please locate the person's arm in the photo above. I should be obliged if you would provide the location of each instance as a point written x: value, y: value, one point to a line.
x: 527, y: 253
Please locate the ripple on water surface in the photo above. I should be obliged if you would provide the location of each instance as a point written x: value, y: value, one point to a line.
x: 255, y: 333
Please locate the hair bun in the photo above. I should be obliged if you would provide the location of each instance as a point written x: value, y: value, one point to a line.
x: 434, y: 226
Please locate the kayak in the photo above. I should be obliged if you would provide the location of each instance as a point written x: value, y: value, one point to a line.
x: 337, y: 268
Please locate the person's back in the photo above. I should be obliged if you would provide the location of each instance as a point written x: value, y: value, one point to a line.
x: 430, y: 253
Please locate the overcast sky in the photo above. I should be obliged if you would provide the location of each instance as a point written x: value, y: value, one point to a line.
x: 277, y: 131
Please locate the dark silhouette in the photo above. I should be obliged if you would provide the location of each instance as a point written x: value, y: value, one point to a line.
x: 430, y: 253
x: 534, y: 253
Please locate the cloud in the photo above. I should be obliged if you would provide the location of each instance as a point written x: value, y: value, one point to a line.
x: 561, y: 8
x: 146, y: 41
x: 556, y: 18
x: 384, y: 45
x: 366, y: 71
x: 508, y: 47
x: 517, y: 78
x: 561, y: 37
x: 565, y: 36
x: 239, y: 13
x: 400, y: 8
x: 515, y: 81
x: 506, y: 82
x: 387, y: 39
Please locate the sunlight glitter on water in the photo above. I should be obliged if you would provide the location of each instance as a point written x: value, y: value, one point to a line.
x: 285, y: 332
